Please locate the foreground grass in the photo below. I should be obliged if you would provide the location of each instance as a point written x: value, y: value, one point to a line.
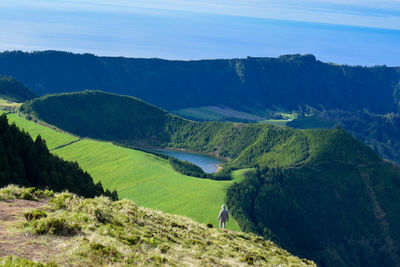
x: 99, y: 232
x: 13, y: 261
x: 144, y: 178
x: 15, y: 192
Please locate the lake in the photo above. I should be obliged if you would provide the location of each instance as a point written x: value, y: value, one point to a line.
x: 206, y: 162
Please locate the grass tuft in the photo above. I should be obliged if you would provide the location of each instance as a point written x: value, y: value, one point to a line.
x: 13, y: 261
x: 17, y: 192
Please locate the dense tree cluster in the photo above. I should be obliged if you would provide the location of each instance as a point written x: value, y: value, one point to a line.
x: 29, y: 163
x: 327, y: 209
x: 11, y: 89
x: 379, y: 131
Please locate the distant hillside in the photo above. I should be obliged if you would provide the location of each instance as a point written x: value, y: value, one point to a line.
x: 29, y: 163
x: 340, y: 208
x: 290, y: 82
x: 129, y: 121
x: 379, y: 131
x: 104, y: 116
x: 11, y: 89
x: 73, y: 231
x: 325, y: 201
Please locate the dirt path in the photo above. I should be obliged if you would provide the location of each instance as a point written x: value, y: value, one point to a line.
x: 15, y: 242
x: 67, y: 144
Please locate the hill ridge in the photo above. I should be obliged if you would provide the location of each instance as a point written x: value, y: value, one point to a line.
x: 246, y: 84
x: 104, y: 233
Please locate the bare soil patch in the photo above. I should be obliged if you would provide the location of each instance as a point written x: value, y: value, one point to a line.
x: 13, y: 241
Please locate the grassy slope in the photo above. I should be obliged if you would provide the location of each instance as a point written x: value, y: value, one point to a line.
x: 144, y: 178
x: 214, y: 113
x: 99, y: 232
x: 53, y: 138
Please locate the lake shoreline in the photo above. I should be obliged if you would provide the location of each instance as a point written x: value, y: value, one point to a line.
x: 208, y: 162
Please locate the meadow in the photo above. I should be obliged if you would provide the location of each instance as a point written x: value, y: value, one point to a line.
x: 146, y: 179
x: 54, y: 138
x: 215, y: 113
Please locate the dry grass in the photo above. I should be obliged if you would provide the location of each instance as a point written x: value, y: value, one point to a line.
x: 99, y: 232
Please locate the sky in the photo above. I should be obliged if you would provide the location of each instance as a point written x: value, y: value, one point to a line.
x: 355, y: 32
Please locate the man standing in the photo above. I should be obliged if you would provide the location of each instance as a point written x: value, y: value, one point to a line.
x: 223, y: 217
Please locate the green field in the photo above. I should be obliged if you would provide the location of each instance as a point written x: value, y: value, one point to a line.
x: 53, y: 138
x: 215, y: 113
x: 7, y: 104
x: 144, y: 178
x: 275, y: 122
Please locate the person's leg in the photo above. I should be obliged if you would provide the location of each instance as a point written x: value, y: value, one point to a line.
x: 220, y: 224
x: 223, y: 225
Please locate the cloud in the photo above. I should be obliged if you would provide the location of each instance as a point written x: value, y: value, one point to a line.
x: 380, y: 14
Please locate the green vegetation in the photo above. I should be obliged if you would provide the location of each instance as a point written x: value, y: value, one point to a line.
x: 275, y: 122
x: 187, y: 168
x: 381, y: 132
x: 12, y: 261
x: 12, y: 90
x: 311, y: 191
x: 54, y: 138
x: 129, y: 121
x: 125, y: 120
x: 311, y: 122
x: 250, y: 84
x: 29, y: 163
x: 216, y: 113
x: 145, y: 178
x: 15, y: 192
x: 337, y: 208
x: 149, y: 180
x: 100, y: 232
x: 7, y: 105
x: 190, y: 169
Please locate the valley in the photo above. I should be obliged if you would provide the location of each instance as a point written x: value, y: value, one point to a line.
x: 304, y: 189
x: 199, y: 133
x: 146, y: 179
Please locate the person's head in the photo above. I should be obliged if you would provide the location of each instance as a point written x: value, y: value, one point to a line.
x: 223, y: 207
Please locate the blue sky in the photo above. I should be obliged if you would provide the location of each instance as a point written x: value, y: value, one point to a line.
x: 351, y: 32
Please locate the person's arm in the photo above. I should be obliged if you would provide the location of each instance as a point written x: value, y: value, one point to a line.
x: 219, y: 216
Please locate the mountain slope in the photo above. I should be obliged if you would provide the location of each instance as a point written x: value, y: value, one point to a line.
x: 325, y: 201
x: 129, y: 121
x: 379, y: 131
x: 338, y: 208
x: 146, y: 179
x: 11, y: 89
x: 99, y: 232
x: 103, y: 116
x: 250, y: 84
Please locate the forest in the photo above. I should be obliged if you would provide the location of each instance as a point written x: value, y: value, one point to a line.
x: 327, y: 209
x: 13, y: 90
x: 379, y: 131
x: 29, y: 163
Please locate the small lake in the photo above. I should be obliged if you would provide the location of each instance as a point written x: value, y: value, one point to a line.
x: 206, y: 162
